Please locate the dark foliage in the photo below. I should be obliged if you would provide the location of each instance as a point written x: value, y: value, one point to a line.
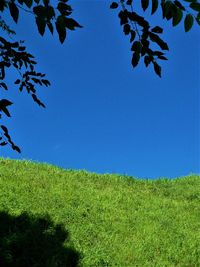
x: 29, y: 241
x: 58, y: 18
x: 14, y: 55
x: 142, y: 35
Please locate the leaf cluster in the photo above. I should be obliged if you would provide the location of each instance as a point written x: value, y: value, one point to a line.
x: 4, y: 26
x: 142, y: 35
x: 6, y: 135
x: 14, y: 55
x: 143, y: 38
x: 46, y: 16
x: 176, y: 12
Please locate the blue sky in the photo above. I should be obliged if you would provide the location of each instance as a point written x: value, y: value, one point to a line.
x: 102, y: 115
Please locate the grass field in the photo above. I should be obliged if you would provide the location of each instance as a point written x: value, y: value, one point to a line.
x: 51, y: 217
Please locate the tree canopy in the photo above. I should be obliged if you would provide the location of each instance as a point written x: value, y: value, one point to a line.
x: 146, y: 42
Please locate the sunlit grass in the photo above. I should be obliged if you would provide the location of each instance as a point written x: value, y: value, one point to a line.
x: 112, y: 220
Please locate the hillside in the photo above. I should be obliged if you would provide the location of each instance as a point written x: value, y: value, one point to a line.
x: 55, y: 217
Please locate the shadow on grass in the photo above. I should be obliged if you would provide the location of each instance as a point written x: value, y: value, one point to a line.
x: 29, y: 241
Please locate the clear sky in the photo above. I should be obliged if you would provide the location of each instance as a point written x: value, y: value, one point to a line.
x: 102, y: 115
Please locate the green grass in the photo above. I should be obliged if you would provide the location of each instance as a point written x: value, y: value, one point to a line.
x: 96, y: 220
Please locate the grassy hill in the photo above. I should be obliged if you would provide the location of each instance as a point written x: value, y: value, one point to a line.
x: 55, y: 217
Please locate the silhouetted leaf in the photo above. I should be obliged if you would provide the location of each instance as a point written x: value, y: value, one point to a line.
x: 188, y: 22
x: 28, y: 3
x: 3, y: 143
x: 2, y: 84
x: 147, y: 60
x: 127, y: 29
x: 135, y: 59
x: 50, y: 26
x: 177, y: 17
x: 3, y: 106
x: 71, y: 24
x: 37, y: 100
x: 50, y: 13
x: 45, y: 82
x: 198, y: 18
x: 5, y: 110
x: 167, y: 9
x: 4, y: 128
x: 2, y: 5
x: 64, y: 9
x: 114, y: 5
x: 14, y: 11
x: 16, y: 148
x: 157, y: 29
x: 195, y: 6
x: 145, y: 45
x: 179, y: 5
x: 137, y: 46
x: 60, y: 27
x: 162, y: 57
x: 133, y: 34
x: 2, y: 71
x: 158, y: 53
x: 14, y: 45
x: 5, y: 102
x: 20, y: 2
x: 22, y: 48
x: 40, y: 11
x: 36, y: 81
x: 46, y: 2
x: 155, y: 38
x: 17, y: 81
x: 129, y: 2
x: 41, y: 24
x: 145, y: 4
x: 157, y: 68
x: 154, y: 6
x: 123, y: 17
